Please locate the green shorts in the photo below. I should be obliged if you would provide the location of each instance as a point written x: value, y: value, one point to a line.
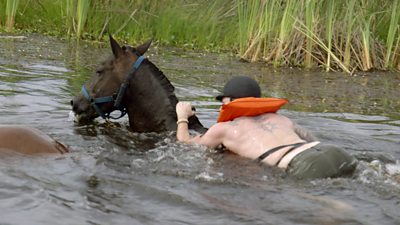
x: 322, y: 161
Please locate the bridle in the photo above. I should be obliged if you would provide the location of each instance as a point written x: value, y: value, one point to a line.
x: 118, y: 99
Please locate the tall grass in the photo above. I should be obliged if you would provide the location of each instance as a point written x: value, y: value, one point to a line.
x: 346, y: 35
x: 339, y: 35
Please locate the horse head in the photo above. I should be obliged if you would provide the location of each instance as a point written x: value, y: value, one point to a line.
x: 130, y: 83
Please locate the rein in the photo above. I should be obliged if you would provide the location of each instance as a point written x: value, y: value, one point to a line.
x: 118, y: 99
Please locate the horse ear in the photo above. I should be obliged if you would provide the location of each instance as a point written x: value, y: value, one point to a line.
x: 116, y: 49
x: 141, y: 49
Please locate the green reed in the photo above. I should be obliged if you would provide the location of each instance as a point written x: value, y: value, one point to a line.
x: 393, y: 30
x: 11, y: 11
x: 311, y: 24
x: 366, y: 45
x: 68, y: 14
x: 81, y: 15
x: 330, y: 20
x: 349, y: 20
x: 2, y: 6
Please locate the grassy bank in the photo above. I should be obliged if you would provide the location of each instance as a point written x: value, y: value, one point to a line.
x: 345, y: 35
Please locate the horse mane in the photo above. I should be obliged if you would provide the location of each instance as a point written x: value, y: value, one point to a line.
x: 157, y: 73
x: 164, y: 82
x: 194, y: 122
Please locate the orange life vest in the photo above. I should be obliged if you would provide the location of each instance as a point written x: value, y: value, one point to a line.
x: 249, y: 107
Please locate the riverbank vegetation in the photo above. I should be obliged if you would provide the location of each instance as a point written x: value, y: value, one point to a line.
x: 347, y: 35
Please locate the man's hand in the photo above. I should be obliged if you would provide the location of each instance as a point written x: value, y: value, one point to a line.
x: 184, y: 110
x: 212, y: 138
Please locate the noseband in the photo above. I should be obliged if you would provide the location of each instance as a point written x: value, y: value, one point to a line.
x: 117, y: 101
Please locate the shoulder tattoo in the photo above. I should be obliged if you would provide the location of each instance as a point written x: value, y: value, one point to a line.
x: 268, y: 126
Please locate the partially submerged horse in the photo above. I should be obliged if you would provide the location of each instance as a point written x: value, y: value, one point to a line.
x: 132, y: 84
x: 27, y: 140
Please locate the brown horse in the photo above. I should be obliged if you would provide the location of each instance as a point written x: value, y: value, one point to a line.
x: 132, y: 84
x: 27, y: 140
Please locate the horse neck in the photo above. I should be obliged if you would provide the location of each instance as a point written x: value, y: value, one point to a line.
x: 150, y: 100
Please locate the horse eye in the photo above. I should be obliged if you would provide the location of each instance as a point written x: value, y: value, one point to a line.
x: 99, y: 72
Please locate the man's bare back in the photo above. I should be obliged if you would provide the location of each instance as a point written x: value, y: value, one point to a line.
x: 250, y: 137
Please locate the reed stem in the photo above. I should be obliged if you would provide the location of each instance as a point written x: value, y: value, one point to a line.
x: 81, y: 15
x: 392, y: 31
x: 11, y: 11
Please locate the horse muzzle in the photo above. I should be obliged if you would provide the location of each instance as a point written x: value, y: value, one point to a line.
x: 82, y: 110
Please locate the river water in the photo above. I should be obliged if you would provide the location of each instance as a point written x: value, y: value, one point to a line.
x: 114, y: 176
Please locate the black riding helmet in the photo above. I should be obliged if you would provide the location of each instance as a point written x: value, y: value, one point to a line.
x: 240, y: 87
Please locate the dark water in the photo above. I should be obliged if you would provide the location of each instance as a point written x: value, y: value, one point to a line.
x: 117, y: 177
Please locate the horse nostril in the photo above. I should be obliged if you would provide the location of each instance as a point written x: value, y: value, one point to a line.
x: 74, y: 106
